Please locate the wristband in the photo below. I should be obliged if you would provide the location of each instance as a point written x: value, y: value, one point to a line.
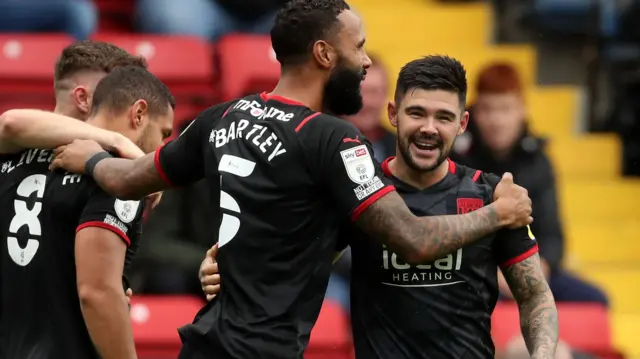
x: 91, y: 163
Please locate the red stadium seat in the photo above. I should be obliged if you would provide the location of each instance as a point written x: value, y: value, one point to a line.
x: 583, y: 326
x: 331, y: 336
x: 27, y: 62
x: 184, y: 63
x: 247, y: 65
x: 155, y: 322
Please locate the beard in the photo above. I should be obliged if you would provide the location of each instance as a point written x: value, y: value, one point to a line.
x: 405, y: 152
x: 342, y: 95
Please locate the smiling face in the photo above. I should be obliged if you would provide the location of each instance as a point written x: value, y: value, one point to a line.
x: 428, y: 122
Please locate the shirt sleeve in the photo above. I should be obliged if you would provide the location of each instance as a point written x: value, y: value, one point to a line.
x: 180, y: 161
x: 341, y: 161
x: 514, y: 245
x: 511, y: 245
x: 105, y: 211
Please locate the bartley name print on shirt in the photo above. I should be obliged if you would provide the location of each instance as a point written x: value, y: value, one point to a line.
x: 440, y: 272
x: 260, y: 136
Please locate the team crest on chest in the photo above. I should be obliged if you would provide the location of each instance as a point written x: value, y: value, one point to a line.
x: 466, y: 205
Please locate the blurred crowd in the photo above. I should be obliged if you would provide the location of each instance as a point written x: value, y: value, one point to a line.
x: 499, y: 138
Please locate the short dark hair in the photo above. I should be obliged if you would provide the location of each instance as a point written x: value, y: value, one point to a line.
x: 299, y: 24
x: 125, y: 85
x: 436, y: 72
x: 91, y: 55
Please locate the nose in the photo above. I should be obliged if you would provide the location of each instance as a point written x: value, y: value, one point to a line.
x: 367, y: 62
x: 428, y: 127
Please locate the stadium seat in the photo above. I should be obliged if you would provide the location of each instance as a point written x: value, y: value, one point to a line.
x: 155, y: 322
x: 583, y: 326
x: 247, y: 65
x: 27, y: 63
x: 184, y: 63
x: 331, y: 336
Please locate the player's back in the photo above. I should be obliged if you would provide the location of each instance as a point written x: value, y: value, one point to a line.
x: 280, y: 216
x: 41, y: 316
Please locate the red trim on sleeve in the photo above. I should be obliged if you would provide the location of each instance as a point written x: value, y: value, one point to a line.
x: 113, y: 229
x: 159, y: 169
x: 306, y: 119
x: 476, y: 175
x: 531, y: 251
x: 371, y: 200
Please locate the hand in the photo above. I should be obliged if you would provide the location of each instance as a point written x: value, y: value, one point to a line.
x: 512, y: 203
x: 74, y: 156
x: 209, y: 276
x: 129, y: 294
x: 153, y: 200
x: 124, y: 148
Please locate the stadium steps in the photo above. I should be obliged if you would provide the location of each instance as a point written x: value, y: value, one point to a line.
x: 625, y: 333
x: 600, y: 244
x: 600, y: 201
x: 553, y: 110
x: 622, y: 282
x: 464, y: 25
x: 587, y: 157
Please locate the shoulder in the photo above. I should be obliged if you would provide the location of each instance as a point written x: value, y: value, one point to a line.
x: 321, y: 124
x: 478, y: 177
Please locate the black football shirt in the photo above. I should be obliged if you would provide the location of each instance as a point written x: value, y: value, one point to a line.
x: 41, y: 213
x: 434, y: 310
x: 285, y: 178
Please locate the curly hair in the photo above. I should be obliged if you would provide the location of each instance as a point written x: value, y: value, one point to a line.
x: 299, y: 24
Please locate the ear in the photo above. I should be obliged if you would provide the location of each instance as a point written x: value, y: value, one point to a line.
x: 82, y: 99
x: 464, y: 121
x: 138, y: 114
x: 392, y: 113
x: 324, y: 54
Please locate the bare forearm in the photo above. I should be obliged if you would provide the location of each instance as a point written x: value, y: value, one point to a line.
x: 424, y: 239
x: 129, y: 179
x: 106, y: 316
x: 538, y: 313
x: 20, y: 129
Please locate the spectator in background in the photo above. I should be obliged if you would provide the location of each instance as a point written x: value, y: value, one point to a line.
x: 176, y: 233
x: 78, y: 18
x: 209, y: 19
x: 375, y: 89
x: 498, y: 140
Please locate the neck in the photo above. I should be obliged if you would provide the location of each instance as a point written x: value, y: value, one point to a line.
x: 68, y: 111
x: 102, y: 121
x: 417, y: 179
x: 298, y: 85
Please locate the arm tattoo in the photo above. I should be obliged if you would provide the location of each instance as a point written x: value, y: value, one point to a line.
x: 420, y: 240
x: 129, y: 179
x: 538, y: 313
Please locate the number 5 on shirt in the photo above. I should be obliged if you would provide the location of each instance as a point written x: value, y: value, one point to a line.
x: 230, y: 224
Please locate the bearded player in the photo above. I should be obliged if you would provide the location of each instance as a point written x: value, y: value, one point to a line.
x: 440, y: 309
x: 288, y: 174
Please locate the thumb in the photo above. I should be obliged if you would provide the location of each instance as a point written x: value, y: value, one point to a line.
x: 213, y: 252
x: 507, y: 176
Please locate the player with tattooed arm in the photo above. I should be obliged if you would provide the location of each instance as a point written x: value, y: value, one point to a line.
x: 287, y: 176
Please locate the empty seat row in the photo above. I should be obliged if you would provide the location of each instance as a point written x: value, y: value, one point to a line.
x: 198, y: 73
x: 155, y: 319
